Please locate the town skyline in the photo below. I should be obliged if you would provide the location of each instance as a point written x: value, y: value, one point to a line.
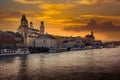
x: 59, y: 22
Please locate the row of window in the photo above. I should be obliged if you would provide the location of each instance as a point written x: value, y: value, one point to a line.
x: 8, y: 52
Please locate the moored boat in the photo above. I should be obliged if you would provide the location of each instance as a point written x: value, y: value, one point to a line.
x: 8, y: 52
x: 53, y: 50
x: 75, y: 49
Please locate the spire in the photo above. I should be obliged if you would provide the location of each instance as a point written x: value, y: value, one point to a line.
x: 23, y: 18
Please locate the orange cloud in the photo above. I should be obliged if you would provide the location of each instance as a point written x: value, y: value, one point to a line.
x: 29, y: 1
x: 94, y: 2
x: 56, y: 6
x: 54, y: 9
x: 88, y: 2
x: 11, y: 19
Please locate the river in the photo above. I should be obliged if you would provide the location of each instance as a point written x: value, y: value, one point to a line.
x: 96, y: 64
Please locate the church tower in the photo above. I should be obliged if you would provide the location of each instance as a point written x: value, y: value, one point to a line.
x: 23, y: 28
x: 24, y: 21
x: 31, y: 25
x: 42, y: 28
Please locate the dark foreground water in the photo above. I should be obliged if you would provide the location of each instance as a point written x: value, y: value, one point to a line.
x: 98, y: 64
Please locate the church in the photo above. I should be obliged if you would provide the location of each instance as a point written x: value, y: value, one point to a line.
x: 26, y: 30
x: 34, y: 37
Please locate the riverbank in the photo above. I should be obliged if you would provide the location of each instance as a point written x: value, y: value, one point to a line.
x: 57, y: 49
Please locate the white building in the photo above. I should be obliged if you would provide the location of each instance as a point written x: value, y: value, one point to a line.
x: 25, y: 30
x: 31, y: 30
x: 43, y: 40
x: 34, y: 37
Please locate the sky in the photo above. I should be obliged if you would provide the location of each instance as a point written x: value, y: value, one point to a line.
x: 64, y: 17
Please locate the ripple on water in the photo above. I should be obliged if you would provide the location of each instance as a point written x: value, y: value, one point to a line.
x: 45, y: 64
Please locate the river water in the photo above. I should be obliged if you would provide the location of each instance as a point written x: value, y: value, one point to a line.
x: 96, y: 64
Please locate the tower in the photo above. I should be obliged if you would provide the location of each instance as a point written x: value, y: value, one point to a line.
x: 23, y: 28
x: 31, y: 25
x: 42, y: 27
x: 92, y: 33
x: 24, y: 22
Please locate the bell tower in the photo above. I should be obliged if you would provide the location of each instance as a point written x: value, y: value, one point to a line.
x: 42, y: 28
x: 31, y: 25
x: 23, y: 28
x: 24, y: 21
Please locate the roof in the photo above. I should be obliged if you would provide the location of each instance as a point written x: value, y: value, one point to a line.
x: 46, y: 36
x: 18, y: 35
x: 33, y: 29
x: 15, y: 34
x: 23, y: 18
x: 6, y: 33
x: 89, y: 36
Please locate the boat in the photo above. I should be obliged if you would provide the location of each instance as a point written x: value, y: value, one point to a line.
x: 10, y: 52
x: 75, y: 49
x: 62, y: 49
x: 52, y: 50
x: 55, y: 49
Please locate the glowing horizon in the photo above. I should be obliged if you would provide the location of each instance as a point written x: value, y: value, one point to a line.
x: 63, y: 17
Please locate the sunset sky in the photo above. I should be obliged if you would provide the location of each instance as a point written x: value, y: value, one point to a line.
x: 64, y: 17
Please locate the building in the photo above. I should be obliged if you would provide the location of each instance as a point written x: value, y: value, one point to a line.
x: 19, y: 40
x: 43, y: 40
x: 6, y: 40
x: 72, y: 42
x: 26, y: 30
x: 23, y: 28
x: 34, y: 37
x: 31, y: 30
x: 90, y: 37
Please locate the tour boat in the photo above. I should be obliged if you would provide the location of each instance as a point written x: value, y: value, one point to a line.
x: 8, y: 52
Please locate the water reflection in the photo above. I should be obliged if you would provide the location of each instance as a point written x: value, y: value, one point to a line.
x: 88, y: 63
x: 23, y: 73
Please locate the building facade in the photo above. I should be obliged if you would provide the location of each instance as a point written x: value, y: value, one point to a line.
x: 43, y: 40
x: 7, y: 40
x: 27, y: 31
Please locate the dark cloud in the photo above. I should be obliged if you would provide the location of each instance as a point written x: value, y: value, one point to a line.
x: 11, y: 14
x: 108, y: 29
x: 104, y: 27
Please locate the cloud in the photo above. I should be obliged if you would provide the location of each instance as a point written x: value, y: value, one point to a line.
x: 29, y: 1
x: 56, y: 6
x: 98, y: 2
x: 108, y: 30
x: 88, y: 2
x: 54, y: 12
x: 82, y: 2
x: 104, y: 27
x: 51, y: 13
x: 83, y: 19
